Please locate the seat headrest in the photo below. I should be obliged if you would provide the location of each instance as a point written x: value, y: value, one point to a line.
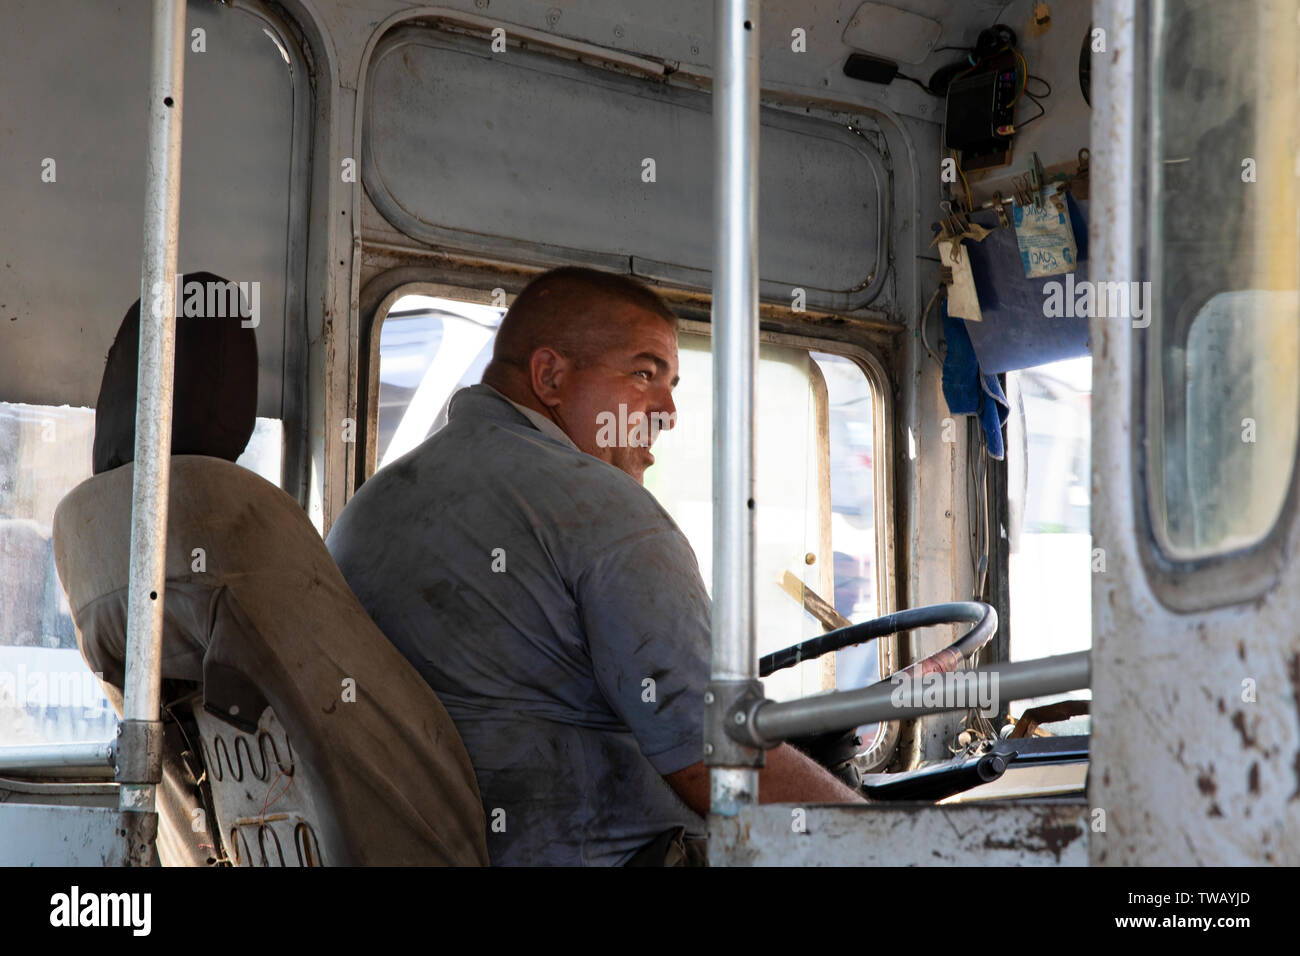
x: 214, y: 399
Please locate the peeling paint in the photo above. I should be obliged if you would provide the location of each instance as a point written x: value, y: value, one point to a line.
x: 1293, y: 674
x: 1050, y: 836
x: 905, y: 834
x: 1248, y: 738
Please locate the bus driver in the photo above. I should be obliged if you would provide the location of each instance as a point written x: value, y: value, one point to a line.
x: 516, y: 560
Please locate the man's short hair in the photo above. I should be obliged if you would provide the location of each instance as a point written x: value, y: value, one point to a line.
x: 568, y: 309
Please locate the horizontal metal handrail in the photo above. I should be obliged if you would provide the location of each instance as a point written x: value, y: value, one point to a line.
x: 87, y: 756
x: 774, y: 721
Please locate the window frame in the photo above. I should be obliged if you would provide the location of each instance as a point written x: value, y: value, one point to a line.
x: 1183, y: 585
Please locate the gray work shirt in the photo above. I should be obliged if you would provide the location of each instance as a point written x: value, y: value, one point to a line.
x: 559, y: 614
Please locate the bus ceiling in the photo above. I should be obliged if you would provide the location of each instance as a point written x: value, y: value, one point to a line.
x: 840, y: 189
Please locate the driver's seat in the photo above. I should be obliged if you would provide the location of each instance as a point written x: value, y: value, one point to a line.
x: 321, y: 743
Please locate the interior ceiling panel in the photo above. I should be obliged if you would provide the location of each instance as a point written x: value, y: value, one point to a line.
x: 890, y: 32
x: 542, y: 159
x: 70, y: 250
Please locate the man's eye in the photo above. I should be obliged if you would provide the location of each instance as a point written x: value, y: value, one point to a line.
x: 649, y: 375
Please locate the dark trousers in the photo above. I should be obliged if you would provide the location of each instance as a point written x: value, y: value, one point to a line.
x: 672, y: 848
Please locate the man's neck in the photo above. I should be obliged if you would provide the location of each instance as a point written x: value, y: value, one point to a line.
x: 511, y: 390
x: 535, y: 413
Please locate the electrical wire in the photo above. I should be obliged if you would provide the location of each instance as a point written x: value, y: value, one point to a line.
x: 982, y: 497
x: 972, y: 512
x: 982, y: 731
x: 912, y: 79
x: 970, y: 203
x: 1042, y: 111
x: 983, y: 727
x: 977, y: 472
x: 925, y: 316
x: 1038, y: 79
x: 1036, y: 98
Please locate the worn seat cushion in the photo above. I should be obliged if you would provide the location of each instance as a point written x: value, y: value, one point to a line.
x: 250, y: 585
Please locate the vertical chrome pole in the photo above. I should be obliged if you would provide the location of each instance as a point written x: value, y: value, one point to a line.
x: 734, y: 774
x: 139, y: 752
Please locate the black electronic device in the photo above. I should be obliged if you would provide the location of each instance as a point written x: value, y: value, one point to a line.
x: 980, y: 115
x: 871, y: 69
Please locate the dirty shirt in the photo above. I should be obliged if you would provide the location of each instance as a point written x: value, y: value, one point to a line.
x: 559, y: 614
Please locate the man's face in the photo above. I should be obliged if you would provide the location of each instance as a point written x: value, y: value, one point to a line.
x: 614, y: 405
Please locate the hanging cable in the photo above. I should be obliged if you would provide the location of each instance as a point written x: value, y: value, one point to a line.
x: 925, y: 316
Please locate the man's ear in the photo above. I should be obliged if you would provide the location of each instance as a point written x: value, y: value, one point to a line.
x: 548, y: 371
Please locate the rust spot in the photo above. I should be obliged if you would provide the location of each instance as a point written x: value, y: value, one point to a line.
x: 1047, y: 836
x: 331, y: 708
x: 1105, y: 776
x: 1241, y: 649
x: 1223, y: 708
x: 1214, y: 811
x: 1205, y: 782
x: 1293, y: 675
x: 1248, y: 739
x: 1252, y: 779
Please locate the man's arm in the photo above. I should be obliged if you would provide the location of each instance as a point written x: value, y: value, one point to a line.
x: 789, y: 777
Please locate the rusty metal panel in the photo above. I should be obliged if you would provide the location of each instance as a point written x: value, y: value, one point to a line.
x: 539, y: 158
x: 1196, y: 734
x: 780, y: 834
x: 40, y: 835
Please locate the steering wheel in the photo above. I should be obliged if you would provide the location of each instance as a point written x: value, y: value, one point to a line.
x: 835, y: 751
x: 982, y: 615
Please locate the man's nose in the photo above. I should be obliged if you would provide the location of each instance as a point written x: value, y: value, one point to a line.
x: 667, y: 411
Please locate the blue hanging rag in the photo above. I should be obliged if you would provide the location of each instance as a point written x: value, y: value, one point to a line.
x: 967, y: 389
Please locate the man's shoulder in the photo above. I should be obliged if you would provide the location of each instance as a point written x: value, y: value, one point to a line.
x: 511, y: 449
x: 489, y: 450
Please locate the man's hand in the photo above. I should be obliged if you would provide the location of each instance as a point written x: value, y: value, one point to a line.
x: 789, y: 777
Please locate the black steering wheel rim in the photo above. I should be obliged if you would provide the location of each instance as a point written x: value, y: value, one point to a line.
x: 981, y: 615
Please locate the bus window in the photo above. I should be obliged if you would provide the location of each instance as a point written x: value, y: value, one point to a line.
x: 428, y: 348
x: 264, y: 452
x: 815, y: 495
x: 1220, y: 415
x: 853, y: 516
x: 791, y: 505
x: 47, y: 694
x: 1048, y: 460
x: 1229, y: 427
